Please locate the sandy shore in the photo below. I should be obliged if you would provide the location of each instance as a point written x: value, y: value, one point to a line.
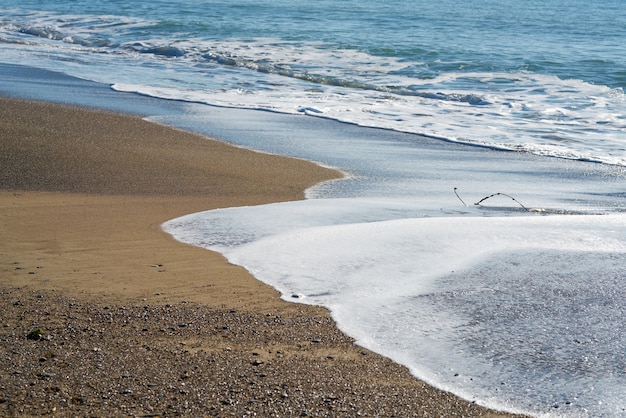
x: 125, y: 321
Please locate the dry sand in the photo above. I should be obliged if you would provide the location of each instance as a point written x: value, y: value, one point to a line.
x: 125, y: 321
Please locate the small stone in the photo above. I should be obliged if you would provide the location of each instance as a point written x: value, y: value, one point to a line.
x: 35, y: 334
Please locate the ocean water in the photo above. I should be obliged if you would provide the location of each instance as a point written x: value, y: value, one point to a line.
x: 479, y: 236
x: 547, y: 77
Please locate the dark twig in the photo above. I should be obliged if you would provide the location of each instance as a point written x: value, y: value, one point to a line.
x: 502, y: 194
x: 457, y: 195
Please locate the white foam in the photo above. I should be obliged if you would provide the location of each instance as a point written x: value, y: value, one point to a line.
x: 591, y: 128
x: 402, y: 287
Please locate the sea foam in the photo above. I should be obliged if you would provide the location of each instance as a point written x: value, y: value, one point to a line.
x: 475, y: 305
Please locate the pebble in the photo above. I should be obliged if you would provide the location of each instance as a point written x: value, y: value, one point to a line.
x: 267, y: 364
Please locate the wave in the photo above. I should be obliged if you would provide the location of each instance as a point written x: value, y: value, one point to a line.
x: 515, y: 110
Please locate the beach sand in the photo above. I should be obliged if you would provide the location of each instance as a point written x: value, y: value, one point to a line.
x: 106, y: 315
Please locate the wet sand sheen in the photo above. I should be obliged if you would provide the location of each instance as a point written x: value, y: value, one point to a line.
x: 83, y: 194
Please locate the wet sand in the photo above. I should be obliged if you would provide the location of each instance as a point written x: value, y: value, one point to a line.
x: 124, y: 320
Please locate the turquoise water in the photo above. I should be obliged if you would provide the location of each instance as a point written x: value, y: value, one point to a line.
x: 514, y: 304
x: 546, y: 77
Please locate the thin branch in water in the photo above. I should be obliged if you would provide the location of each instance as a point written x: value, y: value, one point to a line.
x: 459, y: 197
x: 502, y: 194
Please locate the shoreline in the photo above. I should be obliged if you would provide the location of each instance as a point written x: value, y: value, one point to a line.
x: 85, y: 260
